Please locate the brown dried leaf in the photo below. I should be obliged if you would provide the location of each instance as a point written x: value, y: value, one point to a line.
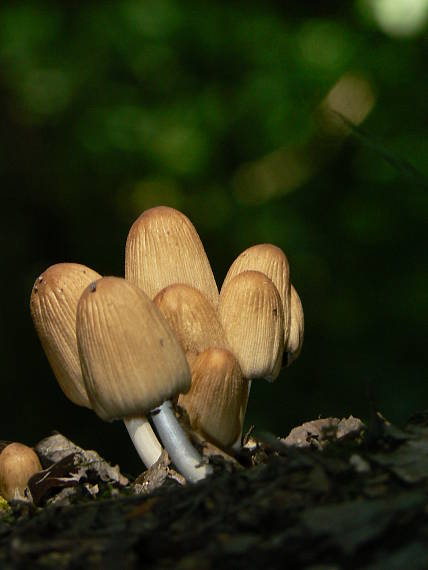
x: 63, y: 473
x: 68, y: 465
x: 156, y: 476
x: 318, y: 433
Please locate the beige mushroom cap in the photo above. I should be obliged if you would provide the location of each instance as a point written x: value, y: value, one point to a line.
x: 272, y: 261
x: 18, y: 463
x: 131, y: 360
x: 217, y: 399
x: 192, y: 318
x: 297, y: 328
x: 251, y: 313
x: 164, y: 248
x: 53, y: 306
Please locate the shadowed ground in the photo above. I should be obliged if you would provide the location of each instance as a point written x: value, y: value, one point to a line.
x: 333, y: 495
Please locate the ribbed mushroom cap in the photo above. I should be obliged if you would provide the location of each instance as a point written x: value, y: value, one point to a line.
x: 164, y: 248
x: 192, y: 318
x: 53, y: 306
x: 131, y: 360
x: 216, y: 401
x: 18, y: 463
x: 251, y: 313
x: 272, y: 261
x: 297, y: 328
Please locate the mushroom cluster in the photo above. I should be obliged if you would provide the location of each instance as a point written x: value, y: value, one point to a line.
x: 163, y: 336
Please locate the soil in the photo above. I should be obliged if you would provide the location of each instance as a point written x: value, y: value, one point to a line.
x: 336, y: 494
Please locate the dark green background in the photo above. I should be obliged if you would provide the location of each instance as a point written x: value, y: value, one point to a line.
x: 217, y: 109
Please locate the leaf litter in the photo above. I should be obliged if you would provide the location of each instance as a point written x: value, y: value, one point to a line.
x: 334, y: 494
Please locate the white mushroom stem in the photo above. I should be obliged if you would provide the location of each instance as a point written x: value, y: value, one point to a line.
x: 144, y: 439
x: 182, y: 453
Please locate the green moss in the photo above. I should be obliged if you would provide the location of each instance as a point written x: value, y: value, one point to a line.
x: 4, y: 505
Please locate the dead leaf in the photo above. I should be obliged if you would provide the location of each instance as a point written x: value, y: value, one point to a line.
x: 68, y: 465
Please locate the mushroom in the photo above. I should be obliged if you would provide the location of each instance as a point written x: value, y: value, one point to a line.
x: 192, y: 318
x: 297, y: 327
x: 218, y: 393
x: 53, y: 308
x: 216, y: 401
x: 132, y: 364
x: 18, y: 463
x: 252, y: 317
x: 164, y: 248
x: 272, y: 261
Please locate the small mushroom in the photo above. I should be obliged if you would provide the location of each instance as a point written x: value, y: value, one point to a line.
x: 164, y: 248
x: 251, y: 313
x: 297, y: 328
x: 272, y: 261
x: 216, y: 401
x: 192, y: 318
x: 53, y: 307
x: 18, y: 463
x: 132, y: 364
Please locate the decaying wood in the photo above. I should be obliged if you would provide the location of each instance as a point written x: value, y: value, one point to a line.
x: 334, y: 494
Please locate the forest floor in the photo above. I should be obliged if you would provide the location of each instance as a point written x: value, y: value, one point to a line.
x: 332, y: 495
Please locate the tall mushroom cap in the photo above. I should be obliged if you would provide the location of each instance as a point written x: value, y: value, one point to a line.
x: 53, y: 307
x: 297, y: 327
x: 131, y: 361
x: 272, y: 261
x: 251, y: 313
x: 192, y: 318
x: 217, y: 399
x: 164, y: 248
x: 18, y: 463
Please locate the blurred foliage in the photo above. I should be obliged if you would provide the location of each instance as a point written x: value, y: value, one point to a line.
x: 301, y: 124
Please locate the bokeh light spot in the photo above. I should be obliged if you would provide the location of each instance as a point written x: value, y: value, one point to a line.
x: 399, y: 17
